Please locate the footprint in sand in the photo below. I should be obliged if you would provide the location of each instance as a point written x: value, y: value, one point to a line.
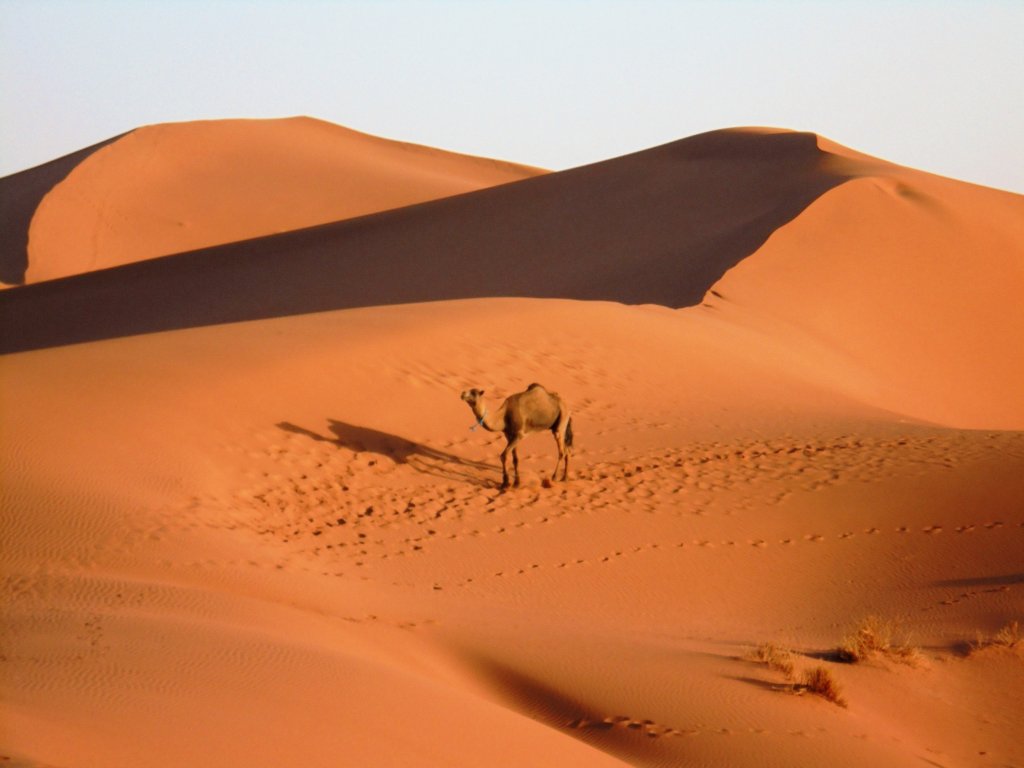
x: 647, y: 727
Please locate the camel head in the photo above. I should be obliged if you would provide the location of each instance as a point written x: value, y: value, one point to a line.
x: 472, y: 396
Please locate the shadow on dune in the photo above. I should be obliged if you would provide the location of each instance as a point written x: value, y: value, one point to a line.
x: 833, y: 655
x: 765, y: 685
x: 544, y: 703
x: 420, y: 457
x: 20, y: 195
x: 657, y: 227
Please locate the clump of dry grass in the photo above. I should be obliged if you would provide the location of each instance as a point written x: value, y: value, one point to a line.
x: 1008, y: 638
x: 874, y: 638
x: 820, y: 682
x: 774, y: 658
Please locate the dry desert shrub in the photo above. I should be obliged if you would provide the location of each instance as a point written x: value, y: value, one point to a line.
x: 774, y: 658
x: 1008, y: 638
x: 817, y: 680
x: 820, y: 682
x: 874, y: 638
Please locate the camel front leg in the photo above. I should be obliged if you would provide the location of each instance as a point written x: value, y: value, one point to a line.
x: 511, y: 448
x: 504, y: 466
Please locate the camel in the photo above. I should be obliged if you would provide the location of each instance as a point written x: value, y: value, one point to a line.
x: 533, y: 410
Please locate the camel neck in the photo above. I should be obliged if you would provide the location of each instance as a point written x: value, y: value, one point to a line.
x: 492, y: 421
x: 479, y: 420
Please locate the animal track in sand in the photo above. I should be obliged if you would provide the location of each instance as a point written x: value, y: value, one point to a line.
x: 350, y: 505
x: 697, y: 545
x: 648, y: 728
x: 654, y: 730
x: 972, y: 594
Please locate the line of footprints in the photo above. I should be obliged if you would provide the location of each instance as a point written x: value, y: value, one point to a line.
x: 930, y: 530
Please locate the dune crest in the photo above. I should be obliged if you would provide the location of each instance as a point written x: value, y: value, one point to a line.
x: 658, y: 226
x: 20, y: 195
x: 912, y: 279
x: 906, y: 282
x: 176, y: 187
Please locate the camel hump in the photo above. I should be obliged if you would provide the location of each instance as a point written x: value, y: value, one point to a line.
x: 553, y: 396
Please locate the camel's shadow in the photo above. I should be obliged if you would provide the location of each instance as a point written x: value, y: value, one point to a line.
x: 422, y: 458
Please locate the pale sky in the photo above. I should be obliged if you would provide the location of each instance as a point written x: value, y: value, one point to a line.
x: 934, y: 84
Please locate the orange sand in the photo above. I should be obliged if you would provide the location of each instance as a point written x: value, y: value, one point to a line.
x: 276, y: 541
x: 171, y: 188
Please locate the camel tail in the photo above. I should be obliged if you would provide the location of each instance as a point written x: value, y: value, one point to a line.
x: 568, y: 433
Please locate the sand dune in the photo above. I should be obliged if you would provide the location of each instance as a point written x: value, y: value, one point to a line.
x: 253, y: 527
x: 660, y: 226
x: 914, y: 281
x: 177, y: 187
x: 20, y: 196
x: 856, y: 257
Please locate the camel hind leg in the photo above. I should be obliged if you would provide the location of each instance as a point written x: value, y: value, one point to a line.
x: 567, y: 446
x: 563, y: 458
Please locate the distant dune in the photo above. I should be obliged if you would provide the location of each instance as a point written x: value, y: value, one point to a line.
x: 659, y: 226
x: 247, y: 520
x: 176, y: 187
x: 883, y: 260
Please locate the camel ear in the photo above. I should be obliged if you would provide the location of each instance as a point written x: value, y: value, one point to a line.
x: 480, y: 392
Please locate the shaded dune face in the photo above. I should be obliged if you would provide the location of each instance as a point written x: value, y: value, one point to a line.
x: 20, y: 196
x: 659, y: 226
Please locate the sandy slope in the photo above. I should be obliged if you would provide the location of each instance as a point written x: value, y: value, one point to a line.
x: 323, y: 571
x: 176, y: 187
x: 913, y: 277
x: 278, y: 542
x: 20, y: 195
x: 659, y: 226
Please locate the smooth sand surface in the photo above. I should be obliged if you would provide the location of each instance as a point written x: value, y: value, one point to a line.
x: 277, y: 541
x: 176, y: 187
x: 20, y: 196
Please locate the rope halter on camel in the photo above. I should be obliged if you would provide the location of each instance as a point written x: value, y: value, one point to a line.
x: 479, y: 422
